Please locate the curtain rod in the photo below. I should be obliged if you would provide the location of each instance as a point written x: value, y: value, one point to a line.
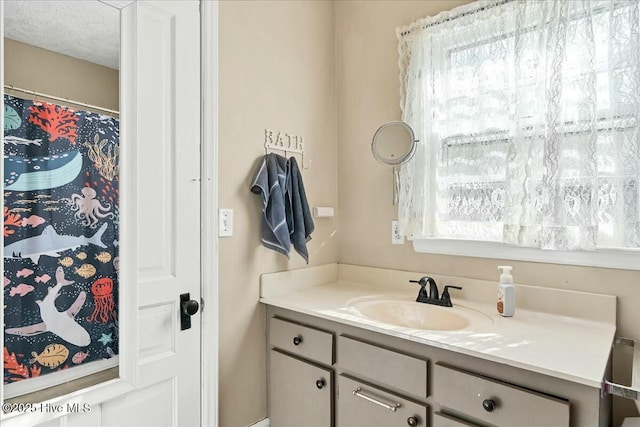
x: 412, y: 28
x: 65, y: 100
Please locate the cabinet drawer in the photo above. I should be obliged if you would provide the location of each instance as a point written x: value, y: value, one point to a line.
x: 307, y: 342
x: 383, y: 366
x: 495, y: 402
x: 444, y: 420
x: 372, y: 407
x: 300, y: 394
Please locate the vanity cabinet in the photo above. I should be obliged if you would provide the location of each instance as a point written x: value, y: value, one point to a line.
x: 377, y: 380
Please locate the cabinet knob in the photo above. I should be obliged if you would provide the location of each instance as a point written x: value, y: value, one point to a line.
x: 320, y: 384
x: 297, y: 340
x: 413, y: 421
x: 489, y: 405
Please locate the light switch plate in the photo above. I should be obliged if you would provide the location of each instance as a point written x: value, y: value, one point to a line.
x: 396, y: 237
x: 225, y: 222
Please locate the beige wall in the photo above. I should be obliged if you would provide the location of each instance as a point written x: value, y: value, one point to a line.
x: 41, y: 70
x: 276, y: 72
x: 328, y: 71
x: 368, y: 96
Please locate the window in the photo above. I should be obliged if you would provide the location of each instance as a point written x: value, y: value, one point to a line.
x: 527, y: 113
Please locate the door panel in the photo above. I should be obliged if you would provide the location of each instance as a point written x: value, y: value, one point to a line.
x: 133, y: 409
x: 167, y: 194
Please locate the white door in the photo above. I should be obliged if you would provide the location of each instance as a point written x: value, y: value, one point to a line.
x: 160, y: 366
x: 162, y: 129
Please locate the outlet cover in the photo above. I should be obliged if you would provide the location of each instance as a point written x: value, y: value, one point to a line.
x: 396, y: 237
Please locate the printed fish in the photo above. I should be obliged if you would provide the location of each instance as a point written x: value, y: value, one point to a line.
x: 81, y: 256
x: 43, y: 196
x: 104, y: 257
x: 25, y: 272
x: 60, y: 323
x: 86, y: 270
x: 52, y: 356
x: 43, y: 279
x: 33, y: 221
x: 20, y: 210
x: 6, y: 281
x: 22, y: 289
x: 50, y: 243
x: 25, y: 202
x: 66, y: 261
x: 50, y: 209
x: 80, y: 356
x: 16, y: 140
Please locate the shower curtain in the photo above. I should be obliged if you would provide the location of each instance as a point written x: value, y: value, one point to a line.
x: 60, y: 238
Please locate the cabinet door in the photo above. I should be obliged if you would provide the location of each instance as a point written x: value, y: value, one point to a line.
x: 362, y: 405
x: 300, y: 393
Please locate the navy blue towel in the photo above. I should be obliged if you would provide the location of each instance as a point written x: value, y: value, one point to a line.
x: 299, y: 220
x: 270, y: 182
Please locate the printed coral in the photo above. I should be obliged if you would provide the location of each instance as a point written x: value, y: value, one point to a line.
x: 10, y: 219
x: 56, y: 120
x: 105, y: 161
x: 16, y: 370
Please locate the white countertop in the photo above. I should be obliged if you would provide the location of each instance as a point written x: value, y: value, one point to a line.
x: 575, y: 348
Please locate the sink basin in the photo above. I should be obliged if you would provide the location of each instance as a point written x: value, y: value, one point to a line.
x: 415, y: 315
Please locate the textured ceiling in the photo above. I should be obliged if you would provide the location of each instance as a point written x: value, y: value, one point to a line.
x: 88, y: 30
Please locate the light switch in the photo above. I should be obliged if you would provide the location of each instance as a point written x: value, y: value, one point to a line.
x: 225, y: 222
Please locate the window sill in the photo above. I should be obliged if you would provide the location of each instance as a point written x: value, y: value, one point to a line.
x: 625, y: 259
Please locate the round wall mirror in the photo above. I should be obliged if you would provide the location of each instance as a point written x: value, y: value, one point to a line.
x: 393, y: 143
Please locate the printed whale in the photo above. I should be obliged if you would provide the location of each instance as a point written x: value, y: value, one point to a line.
x: 61, y: 323
x: 50, y: 243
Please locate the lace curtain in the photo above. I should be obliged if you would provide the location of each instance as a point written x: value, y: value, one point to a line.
x: 527, y: 113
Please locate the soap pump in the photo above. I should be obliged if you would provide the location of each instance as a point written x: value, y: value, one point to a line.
x: 506, y: 292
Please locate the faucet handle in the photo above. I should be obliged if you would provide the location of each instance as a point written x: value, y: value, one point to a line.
x: 446, y: 298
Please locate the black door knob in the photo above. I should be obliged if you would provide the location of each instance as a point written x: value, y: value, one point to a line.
x: 297, y: 340
x: 320, y: 384
x: 412, y: 421
x: 489, y: 405
x: 190, y: 307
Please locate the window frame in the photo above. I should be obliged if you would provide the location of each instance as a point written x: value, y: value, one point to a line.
x: 624, y: 259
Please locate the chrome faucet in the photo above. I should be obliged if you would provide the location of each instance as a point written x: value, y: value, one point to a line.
x: 432, y: 297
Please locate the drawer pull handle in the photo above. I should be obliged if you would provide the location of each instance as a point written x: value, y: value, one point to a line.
x: 297, y: 340
x: 393, y: 407
x: 413, y: 421
x: 489, y: 405
x: 320, y: 383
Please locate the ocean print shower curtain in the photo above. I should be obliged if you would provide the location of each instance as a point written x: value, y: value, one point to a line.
x: 60, y: 238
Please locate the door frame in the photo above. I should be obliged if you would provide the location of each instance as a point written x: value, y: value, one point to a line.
x: 209, y: 215
x: 128, y: 380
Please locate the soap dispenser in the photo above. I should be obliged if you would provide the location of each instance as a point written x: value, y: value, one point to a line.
x: 506, y: 292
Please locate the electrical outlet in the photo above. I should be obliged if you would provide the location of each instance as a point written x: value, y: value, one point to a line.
x: 225, y: 222
x: 396, y: 237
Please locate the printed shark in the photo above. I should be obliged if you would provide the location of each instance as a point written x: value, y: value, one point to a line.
x: 61, y: 323
x: 50, y: 243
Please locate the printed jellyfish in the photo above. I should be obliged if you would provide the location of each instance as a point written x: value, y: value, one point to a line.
x: 104, y: 310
